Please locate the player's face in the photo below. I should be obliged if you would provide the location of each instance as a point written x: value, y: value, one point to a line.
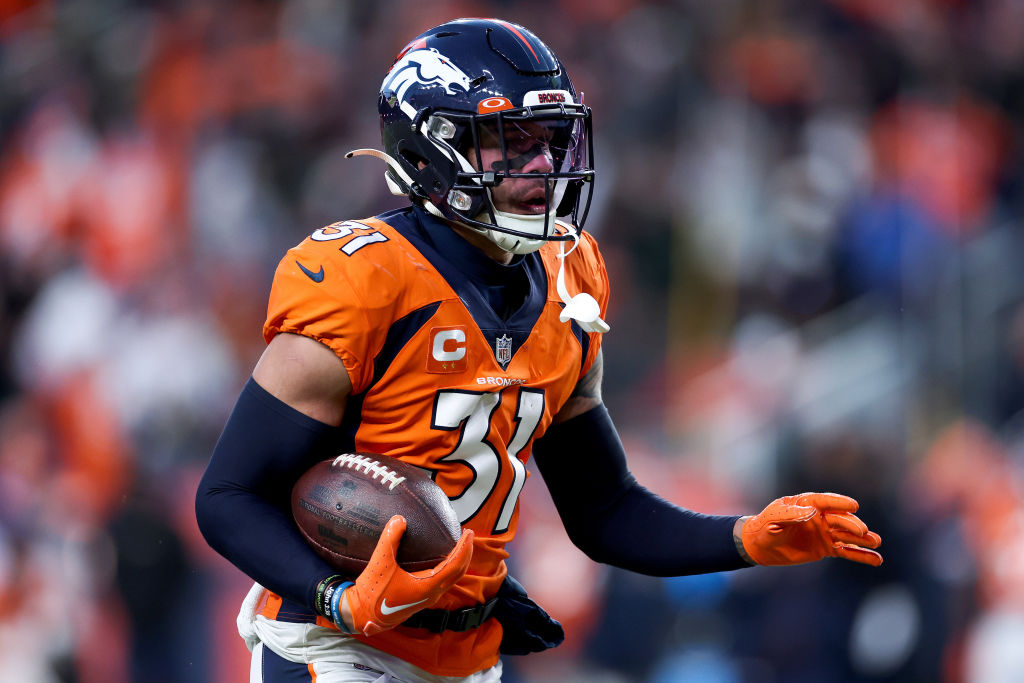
x: 528, y: 148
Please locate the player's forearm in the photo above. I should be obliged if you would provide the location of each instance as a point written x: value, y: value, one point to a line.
x: 260, y: 540
x: 644, y: 533
x: 615, y: 520
x: 239, y: 503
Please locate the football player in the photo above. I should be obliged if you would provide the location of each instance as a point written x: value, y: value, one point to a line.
x: 461, y: 334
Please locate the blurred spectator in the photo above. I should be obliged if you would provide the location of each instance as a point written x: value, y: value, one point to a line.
x: 812, y: 219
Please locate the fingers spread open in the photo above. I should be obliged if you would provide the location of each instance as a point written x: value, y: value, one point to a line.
x: 829, y: 502
x: 857, y: 554
x: 868, y: 540
x: 847, y: 522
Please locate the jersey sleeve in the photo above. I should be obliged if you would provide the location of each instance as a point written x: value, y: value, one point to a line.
x: 316, y: 293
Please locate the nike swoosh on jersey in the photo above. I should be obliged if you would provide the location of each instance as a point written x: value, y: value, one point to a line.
x: 385, y: 608
x: 315, y: 277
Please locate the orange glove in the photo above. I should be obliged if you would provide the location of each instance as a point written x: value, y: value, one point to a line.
x: 384, y: 595
x: 807, y: 528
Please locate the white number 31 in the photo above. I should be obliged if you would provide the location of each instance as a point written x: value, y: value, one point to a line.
x: 471, y: 412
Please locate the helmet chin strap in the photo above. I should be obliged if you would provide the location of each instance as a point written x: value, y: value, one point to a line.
x: 511, y: 243
x: 582, y: 307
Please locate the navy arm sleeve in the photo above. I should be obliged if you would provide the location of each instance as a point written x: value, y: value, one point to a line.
x: 243, y: 502
x: 613, y: 519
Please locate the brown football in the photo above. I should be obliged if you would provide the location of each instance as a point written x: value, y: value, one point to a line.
x: 341, y: 506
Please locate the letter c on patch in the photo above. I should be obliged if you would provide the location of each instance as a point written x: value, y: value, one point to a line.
x: 449, y: 345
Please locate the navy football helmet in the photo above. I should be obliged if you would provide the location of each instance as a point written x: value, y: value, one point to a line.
x: 485, y: 82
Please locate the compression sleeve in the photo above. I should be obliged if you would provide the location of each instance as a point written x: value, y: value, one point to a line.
x: 613, y: 519
x: 243, y: 502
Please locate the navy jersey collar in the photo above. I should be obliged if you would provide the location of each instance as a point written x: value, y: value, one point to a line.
x: 477, y: 266
x: 466, y: 269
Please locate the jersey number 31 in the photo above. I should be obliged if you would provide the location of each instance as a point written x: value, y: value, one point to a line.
x: 471, y: 412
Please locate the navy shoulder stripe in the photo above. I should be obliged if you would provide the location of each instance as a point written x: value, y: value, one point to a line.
x: 583, y: 338
x: 399, y: 334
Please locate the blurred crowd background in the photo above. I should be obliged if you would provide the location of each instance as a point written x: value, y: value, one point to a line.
x: 813, y: 217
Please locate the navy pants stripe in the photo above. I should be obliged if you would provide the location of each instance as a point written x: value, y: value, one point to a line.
x: 276, y: 669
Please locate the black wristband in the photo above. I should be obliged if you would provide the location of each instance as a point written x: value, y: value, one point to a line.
x: 324, y: 592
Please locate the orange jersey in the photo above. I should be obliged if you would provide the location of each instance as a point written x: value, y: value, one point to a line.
x: 440, y: 381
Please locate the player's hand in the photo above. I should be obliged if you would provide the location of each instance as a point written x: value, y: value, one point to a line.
x: 384, y: 595
x: 525, y: 626
x: 809, y: 527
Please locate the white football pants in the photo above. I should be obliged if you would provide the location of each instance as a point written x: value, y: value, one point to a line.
x: 302, y: 653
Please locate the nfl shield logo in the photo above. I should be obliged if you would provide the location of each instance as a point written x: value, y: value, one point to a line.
x: 503, y: 349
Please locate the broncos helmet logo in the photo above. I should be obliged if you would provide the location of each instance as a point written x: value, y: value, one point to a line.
x: 423, y: 67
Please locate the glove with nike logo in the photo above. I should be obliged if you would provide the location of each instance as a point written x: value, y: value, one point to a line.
x: 384, y: 595
x: 807, y: 528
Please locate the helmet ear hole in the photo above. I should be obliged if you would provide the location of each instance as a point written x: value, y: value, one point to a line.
x: 415, y: 160
x: 425, y: 164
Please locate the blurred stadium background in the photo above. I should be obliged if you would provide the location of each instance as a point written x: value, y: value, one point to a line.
x: 812, y: 215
